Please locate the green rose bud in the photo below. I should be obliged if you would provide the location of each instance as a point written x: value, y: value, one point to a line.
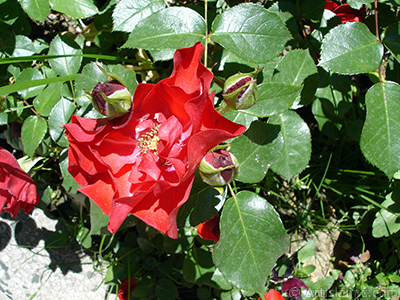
x: 240, y: 90
x: 111, y: 98
x: 218, y: 168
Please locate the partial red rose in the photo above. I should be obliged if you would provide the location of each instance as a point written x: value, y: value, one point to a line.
x: 17, y: 189
x: 272, y: 295
x: 209, y: 230
x: 345, y: 12
x: 143, y: 163
x: 126, y: 288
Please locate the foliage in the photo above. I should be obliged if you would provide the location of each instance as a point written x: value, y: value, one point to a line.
x: 321, y: 147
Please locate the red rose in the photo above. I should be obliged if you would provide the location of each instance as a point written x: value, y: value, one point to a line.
x: 345, y: 12
x: 17, y: 189
x: 209, y: 230
x: 126, y: 288
x: 272, y: 295
x: 143, y: 163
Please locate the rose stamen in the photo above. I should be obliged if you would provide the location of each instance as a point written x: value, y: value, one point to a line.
x: 149, y: 141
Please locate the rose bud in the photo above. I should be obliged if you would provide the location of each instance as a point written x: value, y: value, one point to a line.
x: 111, y: 98
x: 218, y: 167
x: 240, y: 90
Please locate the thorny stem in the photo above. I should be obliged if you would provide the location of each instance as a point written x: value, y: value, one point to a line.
x: 379, y: 38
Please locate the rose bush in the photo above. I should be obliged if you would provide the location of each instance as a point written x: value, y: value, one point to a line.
x: 143, y: 163
x: 17, y: 189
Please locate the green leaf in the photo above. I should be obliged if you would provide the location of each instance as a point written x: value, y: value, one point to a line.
x: 298, y: 68
x: 23, y: 46
x: 198, y: 266
x: 69, y: 182
x: 252, y: 239
x: 47, y: 98
x: 350, y: 49
x: 128, y: 13
x: 90, y: 76
x: 36, y: 9
x: 274, y: 98
x: 84, y: 238
x: 240, y: 117
x: 203, y: 203
x: 127, y: 75
x: 251, y: 150
x: 170, y: 28
x: 334, y: 97
x: 26, y: 77
x: 59, y: 116
x: 312, y: 9
x: 284, y: 145
x: 32, y: 133
x: 251, y: 32
x: 166, y: 289
x: 380, y: 137
x: 64, y: 45
x: 306, y: 252
x: 294, y: 67
x: 387, y: 223
x: 290, y: 151
x: 77, y: 9
x: 98, y: 219
x: 391, y: 39
x: 144, y: 288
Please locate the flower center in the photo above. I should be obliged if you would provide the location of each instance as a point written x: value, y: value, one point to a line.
x: 149, y: 141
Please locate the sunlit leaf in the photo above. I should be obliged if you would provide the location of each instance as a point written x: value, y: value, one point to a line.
x: 25, y: 78
x: 62, y: 45
x: 290, y: 151
x: 251, y: 32
x: 77, y: 9
x: 36, y: 9
x: 386, y: 222
x: 128, y: 13
x: 32, y: 133
x: 252, y: 239
x: 23, y: 46
x: 251, y: 150
x: 59, y: 116
x: 170, y: 28
x: 45, y: 101
x: 351, y: 49
x: 380, y: 138
x: 274, y: 98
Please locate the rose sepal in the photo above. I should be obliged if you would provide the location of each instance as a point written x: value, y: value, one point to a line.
x: 240, y: 90
x: 224, y: 170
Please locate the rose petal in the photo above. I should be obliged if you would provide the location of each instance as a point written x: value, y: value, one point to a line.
x: 209, y: 230
x: 126, y: 288
x: 101, y: 192
x: 272, y: 295
x: 17, y: 188
x: 161, y: 214
x: 189, y: 73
